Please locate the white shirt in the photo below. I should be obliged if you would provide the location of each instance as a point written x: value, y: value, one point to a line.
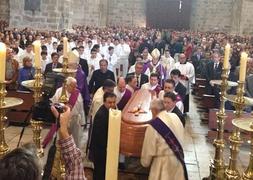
x: 112, y: 61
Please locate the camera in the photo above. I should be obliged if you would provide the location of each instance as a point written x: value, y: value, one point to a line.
x: 41, y: 111
x: 59, y: 107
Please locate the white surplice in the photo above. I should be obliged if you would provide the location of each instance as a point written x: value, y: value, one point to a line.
x: 97, y: 102
x: 77, y: 116
x: 157, y: 153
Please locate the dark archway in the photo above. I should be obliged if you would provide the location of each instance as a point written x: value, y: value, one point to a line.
x: 174, y: 14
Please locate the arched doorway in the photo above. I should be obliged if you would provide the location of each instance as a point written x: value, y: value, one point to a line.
x: 174, y: 14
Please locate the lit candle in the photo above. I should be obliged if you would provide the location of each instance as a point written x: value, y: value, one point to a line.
x: 226, y: 56
x: 2, y: 61
x: 65, y: 47
x: 113, y: 143
x: 243, y: 66
x: 37, y: 50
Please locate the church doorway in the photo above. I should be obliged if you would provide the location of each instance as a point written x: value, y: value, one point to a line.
x: 172, y: 14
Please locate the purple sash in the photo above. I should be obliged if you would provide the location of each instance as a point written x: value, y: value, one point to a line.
x: 125, y: 98
x: 72, y: 101
x: 171, y: 140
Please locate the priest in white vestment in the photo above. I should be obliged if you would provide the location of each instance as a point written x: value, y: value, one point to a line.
x: 77, y: 111
x: 155, y: 150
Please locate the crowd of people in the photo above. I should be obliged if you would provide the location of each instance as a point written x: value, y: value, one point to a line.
x: 114, y: 62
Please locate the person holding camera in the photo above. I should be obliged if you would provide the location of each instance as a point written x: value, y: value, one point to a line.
x: 76, y: 104
x: 23, y: 163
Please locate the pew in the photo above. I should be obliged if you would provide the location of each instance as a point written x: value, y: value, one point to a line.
x: 17, y: 115
x: 228, y: 126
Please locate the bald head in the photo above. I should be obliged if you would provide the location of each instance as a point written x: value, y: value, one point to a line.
x: 121, y: 84
x: 182, y: 58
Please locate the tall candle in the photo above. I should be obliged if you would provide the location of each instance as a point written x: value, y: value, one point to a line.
x: 65, y: 47
x: 226, y: 56
x: 2, y: 61
x: 37, y: 50
x: 113, y: 142
x: 243, y: 66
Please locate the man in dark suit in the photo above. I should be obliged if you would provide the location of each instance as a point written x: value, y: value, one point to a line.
x: 53, y: 64
x: 169, y: 101
x: 179, y: 87
x: 99, y: 76
x: 213, y: 72
x: 82, y: 61
x: 196, y: 60
x: 141, y: 78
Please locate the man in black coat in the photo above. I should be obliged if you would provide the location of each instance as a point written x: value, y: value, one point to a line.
x: 179, y: 87
x: 141, y: 77
x: 169, y: 101
x: 99, y: 136
x: 99, y: 76
x: 54, y: 64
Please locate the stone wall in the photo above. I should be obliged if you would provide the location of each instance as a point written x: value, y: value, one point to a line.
x: 4, y: 10
x: 209, y: 15
x: 127, y: 12
x: 53, y: 14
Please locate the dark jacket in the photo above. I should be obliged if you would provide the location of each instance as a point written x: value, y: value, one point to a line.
x: 179, y: 114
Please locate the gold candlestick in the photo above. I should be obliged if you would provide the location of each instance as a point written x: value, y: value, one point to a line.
x: 5, y: 102
x: 4, y: 148
x: 37, y: 125
x: 235, y: 139
x: 248, y: 174
x: 217, y: 166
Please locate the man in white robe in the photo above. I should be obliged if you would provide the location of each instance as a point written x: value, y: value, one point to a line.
x: 123, y: 57
x: 155, y: 150
x: 97, y: 100
x: 77, y: 112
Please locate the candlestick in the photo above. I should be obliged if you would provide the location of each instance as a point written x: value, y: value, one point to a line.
x: 248, y: 174
x: 5, y: 102
x: 2, y: 61
x: 243, y: 65
x: 226, y: 56
x: 113, y: 144
x: 235, y: 139
x: 37, y: 125
x: 65, y: 47
x: 37, y: 51
x: 217, y: 166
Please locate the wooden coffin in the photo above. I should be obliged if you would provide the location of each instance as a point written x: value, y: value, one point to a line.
x: 133, y: 125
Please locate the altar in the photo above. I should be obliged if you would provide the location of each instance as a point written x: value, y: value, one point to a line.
x: 135, y: 118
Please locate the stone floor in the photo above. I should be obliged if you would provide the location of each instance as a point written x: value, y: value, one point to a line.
x: 198, y: 151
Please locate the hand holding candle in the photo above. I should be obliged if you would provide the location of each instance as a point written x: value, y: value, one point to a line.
x: 37, y: 51
x: 243, y: 65
x: 226, y: 56
x: 65, y: 47
x: 2, y: 61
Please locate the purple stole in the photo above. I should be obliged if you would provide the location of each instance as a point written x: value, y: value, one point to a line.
x: 82, y: 85
x: 178, y: 98
x: 125, y: 98
x: 72, y: 101
x: 160, y: 70
x: 171, y: 140
x: 146, y: 66
x: 157, y: 89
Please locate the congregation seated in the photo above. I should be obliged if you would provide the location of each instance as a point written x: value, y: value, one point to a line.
x: 54, y: 64
x: 25, y: 73
x: 12, y: 70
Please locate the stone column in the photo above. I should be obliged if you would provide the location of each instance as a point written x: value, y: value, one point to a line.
x: 236, y: 17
